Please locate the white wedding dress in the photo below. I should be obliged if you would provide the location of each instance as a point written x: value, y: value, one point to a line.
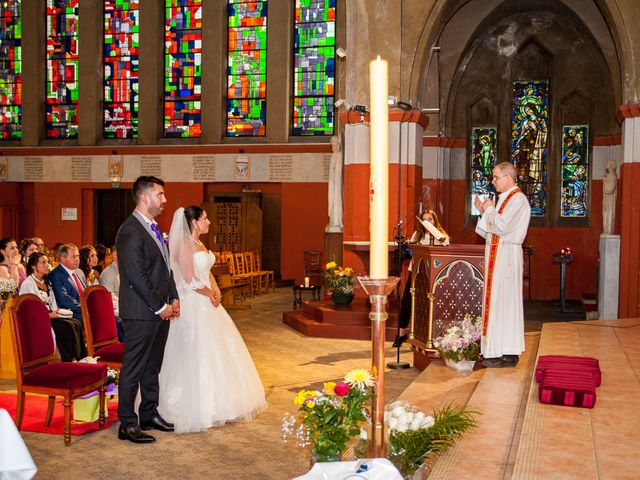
x: 208, y: 377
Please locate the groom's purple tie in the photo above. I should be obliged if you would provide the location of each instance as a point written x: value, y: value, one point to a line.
x: 156, y: 230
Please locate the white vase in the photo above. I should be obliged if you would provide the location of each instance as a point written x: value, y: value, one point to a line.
x: 461, y: 365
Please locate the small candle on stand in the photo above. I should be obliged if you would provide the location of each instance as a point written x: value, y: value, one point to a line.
x: 306, y: 282
x: 379, y: 179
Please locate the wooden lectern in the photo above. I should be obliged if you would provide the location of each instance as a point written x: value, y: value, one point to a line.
x: 447, y: 283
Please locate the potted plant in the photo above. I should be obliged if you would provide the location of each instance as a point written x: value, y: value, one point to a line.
x: 459, y: 347
x: 339, y: 282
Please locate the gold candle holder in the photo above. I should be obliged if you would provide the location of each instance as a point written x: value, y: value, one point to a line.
x: 378, y: 291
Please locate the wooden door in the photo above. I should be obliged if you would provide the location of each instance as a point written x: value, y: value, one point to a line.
x: 112, y: 208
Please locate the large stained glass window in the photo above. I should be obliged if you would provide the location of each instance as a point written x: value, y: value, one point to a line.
x: 529, y: 140
x: 575, y: 171
x: 62, y: 69
x: 10, y: 70
x: 121, y: 68
x: 247, y: 68
x: 314, y: 67
x: 183, y: 68
x: 483, y: 159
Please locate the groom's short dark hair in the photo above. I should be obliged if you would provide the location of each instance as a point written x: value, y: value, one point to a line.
x: 142, y: 183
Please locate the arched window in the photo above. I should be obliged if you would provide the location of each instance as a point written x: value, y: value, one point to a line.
x: 575, y: 171
x: 484, y: 152
x: 314, y: 67
x: 247, y: 68
x: 121, y: 26
x: 62, y: 69
x: 183, y: 68
x: 10, y: 70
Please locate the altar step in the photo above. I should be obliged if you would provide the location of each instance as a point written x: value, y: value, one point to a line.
x: 517, y: 437
x: 325, y: 319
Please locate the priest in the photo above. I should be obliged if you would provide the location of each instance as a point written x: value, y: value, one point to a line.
x: 503, y: 225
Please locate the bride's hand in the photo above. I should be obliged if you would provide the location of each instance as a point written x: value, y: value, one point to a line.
x: 215, y: 297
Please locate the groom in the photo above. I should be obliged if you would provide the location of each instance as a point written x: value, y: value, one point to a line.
x: 148, y: 300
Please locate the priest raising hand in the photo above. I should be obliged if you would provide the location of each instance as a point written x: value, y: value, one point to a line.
x: 504, y: 226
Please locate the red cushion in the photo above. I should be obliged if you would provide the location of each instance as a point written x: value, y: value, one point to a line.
x: 101, y: 315
x: 568, y: 363
x: 33, y: 328
x: 111, y: 353
x: 575, y: 389
x: 65, y: 375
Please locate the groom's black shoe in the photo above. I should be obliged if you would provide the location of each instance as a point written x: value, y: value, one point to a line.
x: 157, y: 423
x: 134, y: 434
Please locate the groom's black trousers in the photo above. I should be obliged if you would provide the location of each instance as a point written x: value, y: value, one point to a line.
x: 143, y: 353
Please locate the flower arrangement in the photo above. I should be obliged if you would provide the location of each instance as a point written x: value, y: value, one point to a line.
x: 328, y: 420
x: 413, y: 435
x: 112, y: 376
x: 460, y: 342
x: 338, y: 280
x: 7, y: 288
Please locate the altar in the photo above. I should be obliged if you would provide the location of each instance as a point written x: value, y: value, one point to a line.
x: 447, y: 283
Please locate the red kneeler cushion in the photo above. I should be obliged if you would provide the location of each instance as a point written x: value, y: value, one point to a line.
x: 570, y: 364
x: 570, y: 388
x: 65, y: 375
x: 111, y: 353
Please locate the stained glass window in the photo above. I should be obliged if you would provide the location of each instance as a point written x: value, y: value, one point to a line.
x: 575, y: 171
x: 483, y: 159
x: 183, y: 68
x: 62, y: 68
x: 314, y: 67
x: 10, y: 70
x: 121, y: 68
x: 529, y: 140
x: 247, y: 68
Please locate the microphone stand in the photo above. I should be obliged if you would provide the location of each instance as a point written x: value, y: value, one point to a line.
x: 399, y: 238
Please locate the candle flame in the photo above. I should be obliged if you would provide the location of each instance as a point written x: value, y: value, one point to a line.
x: 378, y: 58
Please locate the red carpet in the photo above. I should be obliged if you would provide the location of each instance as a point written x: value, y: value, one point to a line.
x: 35, y: 409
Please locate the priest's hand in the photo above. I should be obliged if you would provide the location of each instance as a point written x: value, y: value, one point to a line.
x: 488, y: 203
x: 478, y: 204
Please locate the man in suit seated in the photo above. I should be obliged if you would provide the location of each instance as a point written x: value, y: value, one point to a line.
x: 67, y: 280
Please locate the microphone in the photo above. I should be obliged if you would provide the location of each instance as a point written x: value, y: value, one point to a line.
x: 400, y: 223
x: 491, y: 191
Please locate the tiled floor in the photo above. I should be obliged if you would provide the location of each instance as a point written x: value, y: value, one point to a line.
x: 519, y: 438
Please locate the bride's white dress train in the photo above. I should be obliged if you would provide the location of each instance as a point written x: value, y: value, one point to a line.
x: 208, y: 377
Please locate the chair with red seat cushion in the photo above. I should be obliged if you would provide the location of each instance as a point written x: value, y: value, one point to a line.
x: 100, y: 326
x: 38, y: 372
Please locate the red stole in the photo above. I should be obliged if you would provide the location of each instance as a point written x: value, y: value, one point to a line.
x: 491, y: 263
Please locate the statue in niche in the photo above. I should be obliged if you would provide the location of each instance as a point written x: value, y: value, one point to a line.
x: 335, y: 187
x: 609, y: 186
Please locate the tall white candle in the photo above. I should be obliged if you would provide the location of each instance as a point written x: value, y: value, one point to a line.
x: 379, y: 180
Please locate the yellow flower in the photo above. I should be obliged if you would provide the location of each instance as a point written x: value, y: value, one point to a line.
x: 359, y: 378
x: 331, y: 265
x: 311, y: 404
x: 328, y: 387
x: 348, y: 271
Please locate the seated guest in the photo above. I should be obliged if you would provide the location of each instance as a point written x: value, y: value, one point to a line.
x: 88, y: 260
x: 10, y: 266
x: 27, y: 247
x: 67, y: 331
x: 101, y: 251
x: 67, y: 280
x: 40, y: 243
x: 422, y: 237
x: 110, y: 279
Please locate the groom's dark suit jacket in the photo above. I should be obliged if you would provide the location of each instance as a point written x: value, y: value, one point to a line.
x: 146, y: 283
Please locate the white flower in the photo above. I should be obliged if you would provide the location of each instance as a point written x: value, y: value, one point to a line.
x: 363, y: 434
x: 428, y: 422
x: 416, y: 424
x: 406, y: 418
x: 399, y: 410
x: 393, y: 423
x: 419, y: 415
x: 360, y: 378
x: 403, y: 427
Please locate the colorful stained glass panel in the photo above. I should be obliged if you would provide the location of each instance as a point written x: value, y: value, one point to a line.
x: 529, y: 140
x: 10, y: 70
x: 314, y: 67
x: 183, y: 68
x: 484, y: 152
x: 62, y: 69
x: 246, y: 68
x: 574, y: 194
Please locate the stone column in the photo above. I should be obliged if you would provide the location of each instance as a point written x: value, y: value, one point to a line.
x: 33, y: 73
x: 279, y: 70
x: 90, y: 73
x: 151, y: 76
x: 214, y: 70
x: 629, y: 305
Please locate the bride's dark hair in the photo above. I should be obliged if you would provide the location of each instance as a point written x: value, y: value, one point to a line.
x: 191, y: 213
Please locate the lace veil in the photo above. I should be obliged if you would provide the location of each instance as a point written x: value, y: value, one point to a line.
x: 182, y: 248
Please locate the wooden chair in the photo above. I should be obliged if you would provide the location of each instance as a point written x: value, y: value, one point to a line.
x: 100, y: 326
x: 256, y: 276
x: 38, y: 372
x: 265, y: 275
x: 240, y: 268
x: 241, y: 283
x: 313, y: 266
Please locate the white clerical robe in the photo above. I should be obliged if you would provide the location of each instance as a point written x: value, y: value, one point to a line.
x: 505, y: 329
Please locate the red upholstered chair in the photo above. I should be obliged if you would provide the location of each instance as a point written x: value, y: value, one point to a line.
x: 100, y: 326
x: 38, y: 372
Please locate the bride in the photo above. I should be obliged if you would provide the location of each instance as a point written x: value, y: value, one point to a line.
x: 208, y: 377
